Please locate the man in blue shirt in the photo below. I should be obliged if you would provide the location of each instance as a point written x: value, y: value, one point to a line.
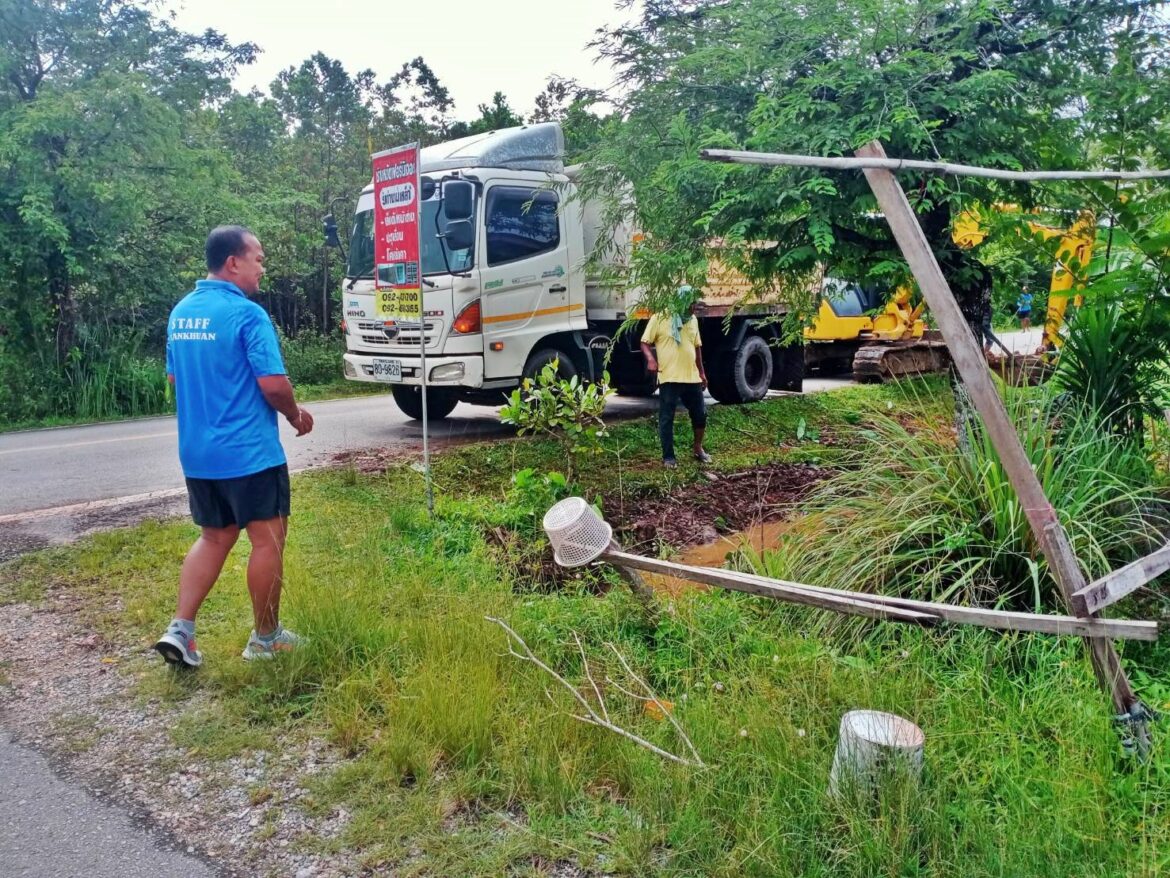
x: 224, y: 360
x: 1024, y: 308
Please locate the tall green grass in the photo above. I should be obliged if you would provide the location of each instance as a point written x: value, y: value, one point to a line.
x: 920, y: 515
x: 458, y: 759
x: 109, y: 374
x: 1114, y: 359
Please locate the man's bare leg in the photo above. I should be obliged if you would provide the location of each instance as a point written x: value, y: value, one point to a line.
x: 266, y: 571
x: 202, y: 566
x: 699, y: 431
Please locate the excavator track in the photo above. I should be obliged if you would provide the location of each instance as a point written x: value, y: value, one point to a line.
x: 888, y: 361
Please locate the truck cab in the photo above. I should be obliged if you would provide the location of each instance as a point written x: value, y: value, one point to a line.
x: 486, y: 308
x: 517, y: 297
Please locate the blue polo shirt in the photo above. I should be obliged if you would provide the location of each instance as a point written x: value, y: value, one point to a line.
x: 218, y: 344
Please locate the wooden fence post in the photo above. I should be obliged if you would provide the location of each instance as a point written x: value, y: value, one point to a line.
x: 972, y: 368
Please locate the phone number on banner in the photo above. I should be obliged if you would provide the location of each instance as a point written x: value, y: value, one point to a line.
x: 399, y: 302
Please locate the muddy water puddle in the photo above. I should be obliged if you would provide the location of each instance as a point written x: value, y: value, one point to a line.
x: 764, y: 535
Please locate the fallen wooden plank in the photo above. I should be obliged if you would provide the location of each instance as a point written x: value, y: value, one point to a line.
x: 844, y: 602
x: 1003, y: 620
x: 1112, y: 587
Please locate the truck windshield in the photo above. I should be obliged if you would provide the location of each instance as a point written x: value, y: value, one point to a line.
x: 361, y: 247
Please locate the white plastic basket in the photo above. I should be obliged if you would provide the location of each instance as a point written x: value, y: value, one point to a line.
x: 577, y: 533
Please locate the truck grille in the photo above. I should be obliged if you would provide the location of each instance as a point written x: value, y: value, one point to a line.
x: 407, y: 336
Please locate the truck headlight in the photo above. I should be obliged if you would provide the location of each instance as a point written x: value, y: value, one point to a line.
x: 447, y: 372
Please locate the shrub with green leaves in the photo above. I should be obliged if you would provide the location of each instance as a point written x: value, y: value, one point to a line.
x: 1115, y: 359
x: 920, y: 517
x: 311, y: 358
x: 569, y: 411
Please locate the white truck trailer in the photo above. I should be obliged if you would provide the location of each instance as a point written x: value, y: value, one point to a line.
x: 506, y: 292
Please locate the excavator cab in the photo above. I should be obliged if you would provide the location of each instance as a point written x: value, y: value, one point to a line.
x: 858, y: 329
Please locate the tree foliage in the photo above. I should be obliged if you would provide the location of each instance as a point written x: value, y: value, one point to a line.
x: 984, y: 82
x: 122, y: 142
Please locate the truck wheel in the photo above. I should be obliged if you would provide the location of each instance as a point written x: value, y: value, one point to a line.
x: 788, y: 368
x: 566, y: 368
x: 440, y: 402
x: 743, y: 374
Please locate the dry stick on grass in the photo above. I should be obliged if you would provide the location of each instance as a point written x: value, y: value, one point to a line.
x: 591, y: 717
x: 652, y: 697
x: 589, y: 677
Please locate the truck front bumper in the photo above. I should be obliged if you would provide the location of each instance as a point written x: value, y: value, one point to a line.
x: 460, y: 371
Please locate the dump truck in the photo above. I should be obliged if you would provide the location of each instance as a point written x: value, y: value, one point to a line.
x: 506, y: 290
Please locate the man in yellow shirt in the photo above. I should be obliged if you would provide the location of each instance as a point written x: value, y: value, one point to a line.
x: 677, y: 358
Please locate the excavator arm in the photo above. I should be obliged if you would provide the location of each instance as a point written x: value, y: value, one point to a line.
x: 1073, y: 253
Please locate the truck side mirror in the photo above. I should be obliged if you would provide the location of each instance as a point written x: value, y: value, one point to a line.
x: 331, y: 237
x: 460, y: 234
x: 458, y: 201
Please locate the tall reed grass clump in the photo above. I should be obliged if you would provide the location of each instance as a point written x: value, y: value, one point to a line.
x: 920, y: 514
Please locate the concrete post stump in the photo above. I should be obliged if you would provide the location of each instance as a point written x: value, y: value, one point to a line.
x: 872, y: 745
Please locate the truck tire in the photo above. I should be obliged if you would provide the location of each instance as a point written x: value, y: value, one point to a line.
x: 566, y: 368
x: 743, y: 374
x: 440, y: 402
x: 788, y: 368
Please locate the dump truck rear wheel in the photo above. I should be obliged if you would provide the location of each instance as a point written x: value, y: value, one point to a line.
x: 743, y: 374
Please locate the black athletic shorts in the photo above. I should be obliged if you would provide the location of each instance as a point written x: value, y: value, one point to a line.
x: 256, y: 497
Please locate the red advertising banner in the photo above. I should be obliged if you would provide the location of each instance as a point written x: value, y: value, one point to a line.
x: 397, y: 289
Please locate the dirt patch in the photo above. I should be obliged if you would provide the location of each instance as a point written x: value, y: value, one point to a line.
x: 373, y: 461
x: 54, y: 527
x: 723, y: 503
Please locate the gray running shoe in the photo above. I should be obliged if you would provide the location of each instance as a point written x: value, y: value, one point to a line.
x: 285, y: 641
x: 178, y: 649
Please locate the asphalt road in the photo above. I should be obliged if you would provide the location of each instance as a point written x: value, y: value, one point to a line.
x: 48, y: 469
x: 50, y: 828
x: 59, y: 484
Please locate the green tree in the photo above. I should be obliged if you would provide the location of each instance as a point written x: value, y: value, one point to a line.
x: 985, y: 82
x: 492, y: 117
x: 568, y: 102
x: 413, y: 105
x: 105, y: 176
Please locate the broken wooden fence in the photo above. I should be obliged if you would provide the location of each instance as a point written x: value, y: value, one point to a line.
x: 1083, y: 599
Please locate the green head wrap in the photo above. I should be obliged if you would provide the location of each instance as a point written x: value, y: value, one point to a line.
x: 680, y: 310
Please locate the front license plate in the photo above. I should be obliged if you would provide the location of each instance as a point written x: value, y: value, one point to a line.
x: 387, y: 370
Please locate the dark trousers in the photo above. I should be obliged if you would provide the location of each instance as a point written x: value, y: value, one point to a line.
x: 669, y: 396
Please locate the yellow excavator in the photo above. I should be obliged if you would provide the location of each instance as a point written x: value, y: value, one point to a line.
x: 882, y: 340
x: 879, y: 339
x: 1073, y: 254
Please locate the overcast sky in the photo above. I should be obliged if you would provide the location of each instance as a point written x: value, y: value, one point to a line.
x: 475, y: 47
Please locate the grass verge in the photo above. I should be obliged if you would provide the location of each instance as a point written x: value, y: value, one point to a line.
x: 460, y: 762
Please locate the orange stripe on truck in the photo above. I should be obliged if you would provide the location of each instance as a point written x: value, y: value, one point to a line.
x: 505, y: 318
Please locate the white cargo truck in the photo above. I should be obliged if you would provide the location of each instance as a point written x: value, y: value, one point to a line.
x: 503, y: 250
